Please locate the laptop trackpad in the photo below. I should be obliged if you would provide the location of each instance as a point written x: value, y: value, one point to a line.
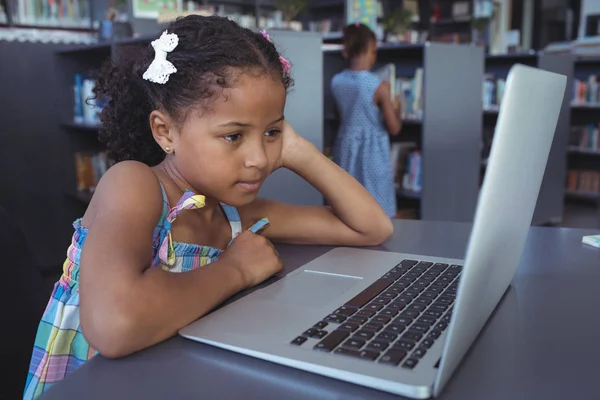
x: 309, y: 288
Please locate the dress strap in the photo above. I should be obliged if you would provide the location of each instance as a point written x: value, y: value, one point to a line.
x: 188, y: 201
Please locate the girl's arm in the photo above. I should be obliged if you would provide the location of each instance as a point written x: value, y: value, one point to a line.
x: 391, y: 113
x: 354, y: 218
x: 126, y: 306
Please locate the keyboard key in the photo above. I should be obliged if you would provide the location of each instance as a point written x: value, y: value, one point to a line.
x: 408, y: 263
x: 381, y: 300
x: 403, y: 320
x: 332, y: 340
x: 404, y: 344
x: 410, y: 363
x: 358, y: 320
x: 396, y: 306
x: 457, y: 268
x: 345, y: 310
x: 416, y: 336
x: 369, y: 293
x: 393, y: 357
x: 366, y: 313
x: 373, y: 326
x: 381, y: 319
x: 410, y: 313
x: 378, y: 345
x: 315, y: 333
x: 390, y: 295
x: 427, y: 342
x: 337, y: 319
x: 320, y: 325
x: 426, y: 320
x: 389, y: 312
x: 354, y: 343
x: 299, y: 340
x: 387, y: 336
x: 439, y: 267
x: 419, y: 353
x: 363, y: 334
x: 363, y: 354
x: 396, y: 328
x: 417, y: 307
x: 434, y: 334
x: 422, y: 328
x: 432, y: 313
x: 374, y: 307
x: 349, y: 326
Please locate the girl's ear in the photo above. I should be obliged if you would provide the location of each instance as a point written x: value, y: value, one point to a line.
x: 344, y: 54
x: 163, y: 130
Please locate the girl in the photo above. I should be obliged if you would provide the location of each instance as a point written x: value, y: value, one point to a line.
x: 362, y: 146
x: 196, y: 128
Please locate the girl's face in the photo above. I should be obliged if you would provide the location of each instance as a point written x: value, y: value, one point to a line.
x: 227, y: 152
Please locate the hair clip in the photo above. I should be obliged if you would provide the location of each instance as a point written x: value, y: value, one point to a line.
x: 284, y: 62
x: 357, y: 24
x: 160, y: 69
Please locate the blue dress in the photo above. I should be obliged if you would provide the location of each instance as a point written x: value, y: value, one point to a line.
x: 362, y: 146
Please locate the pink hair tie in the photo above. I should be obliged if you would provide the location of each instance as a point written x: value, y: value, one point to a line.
x: 357, y: 24
x: 284, y: 62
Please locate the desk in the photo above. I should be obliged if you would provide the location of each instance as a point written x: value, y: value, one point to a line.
x: 541, y: 342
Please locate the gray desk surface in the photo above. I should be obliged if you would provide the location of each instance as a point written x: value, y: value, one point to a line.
x: 541, y: 342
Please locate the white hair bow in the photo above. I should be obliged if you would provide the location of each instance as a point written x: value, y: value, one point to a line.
x: 160, y: 69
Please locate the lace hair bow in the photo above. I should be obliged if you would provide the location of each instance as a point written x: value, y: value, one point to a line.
x: 160, y: 69
x: 284, y: 62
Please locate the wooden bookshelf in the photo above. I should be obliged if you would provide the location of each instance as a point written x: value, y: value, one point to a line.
x: 550, y: 205
x: 448, y: 131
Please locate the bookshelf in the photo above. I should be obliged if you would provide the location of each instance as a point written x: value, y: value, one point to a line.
x: 583, y: 176
x: 550, y: 204
x: 448, y: 133
x: 77, y: 15
x: 85, y: 152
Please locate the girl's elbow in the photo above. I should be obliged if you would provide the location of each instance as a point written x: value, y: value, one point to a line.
x: 109, y: 336
x: 380, y: 234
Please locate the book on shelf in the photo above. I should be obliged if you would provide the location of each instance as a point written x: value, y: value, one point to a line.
x: 586, y: 91
x: 493, y: 92
x: 387, y: 73
x: 410, y: 92
x: 406, y: 165
x: 53, y: 13
x: 585, y: 137
x: 583, y: 181
x: 86, y: 108
x: 90, y: 167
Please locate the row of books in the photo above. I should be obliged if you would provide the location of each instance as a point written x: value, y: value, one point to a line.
x: 585, y: 137
x: 90, y: 167
x: 586, y: 91
x: 583, y: 181
x: 493, y: 91
x: 406, y: 164
x: 408, y: 90
x: 62, y: 13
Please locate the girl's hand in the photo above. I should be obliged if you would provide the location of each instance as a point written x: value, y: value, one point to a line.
x: 293, y: 147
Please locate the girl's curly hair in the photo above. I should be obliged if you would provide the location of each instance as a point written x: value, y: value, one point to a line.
x: 210, y: 52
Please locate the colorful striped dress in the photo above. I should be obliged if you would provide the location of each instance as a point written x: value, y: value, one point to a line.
x: 60, y: 347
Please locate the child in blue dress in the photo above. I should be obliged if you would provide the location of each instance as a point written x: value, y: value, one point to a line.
x: 367, y: 117
x: 176, y: 227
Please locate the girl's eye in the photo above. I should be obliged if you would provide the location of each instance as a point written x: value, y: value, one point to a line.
x: 233, y: 137
x: 272, y: 133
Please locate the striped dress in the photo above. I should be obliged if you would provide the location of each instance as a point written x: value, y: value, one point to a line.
x: 60, y: 347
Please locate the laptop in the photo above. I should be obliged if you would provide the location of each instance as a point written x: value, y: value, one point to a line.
x: 401, y: 323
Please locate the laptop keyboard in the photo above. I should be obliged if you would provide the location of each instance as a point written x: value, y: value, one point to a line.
x: 395, y: 320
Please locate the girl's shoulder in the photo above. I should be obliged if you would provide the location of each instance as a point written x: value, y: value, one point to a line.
x: 128, y: 187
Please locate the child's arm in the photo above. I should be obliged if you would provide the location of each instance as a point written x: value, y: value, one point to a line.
x: 391, y: 114
x: 354, y: 219
x: 126, y: 306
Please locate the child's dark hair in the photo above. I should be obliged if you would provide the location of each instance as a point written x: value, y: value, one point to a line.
x: 211, y: 50
x: 356, y: 39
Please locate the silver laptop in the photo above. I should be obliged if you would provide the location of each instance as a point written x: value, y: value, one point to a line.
x: 401, y: 323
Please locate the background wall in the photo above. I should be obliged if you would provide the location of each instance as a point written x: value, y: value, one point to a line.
x: 587, y: 7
